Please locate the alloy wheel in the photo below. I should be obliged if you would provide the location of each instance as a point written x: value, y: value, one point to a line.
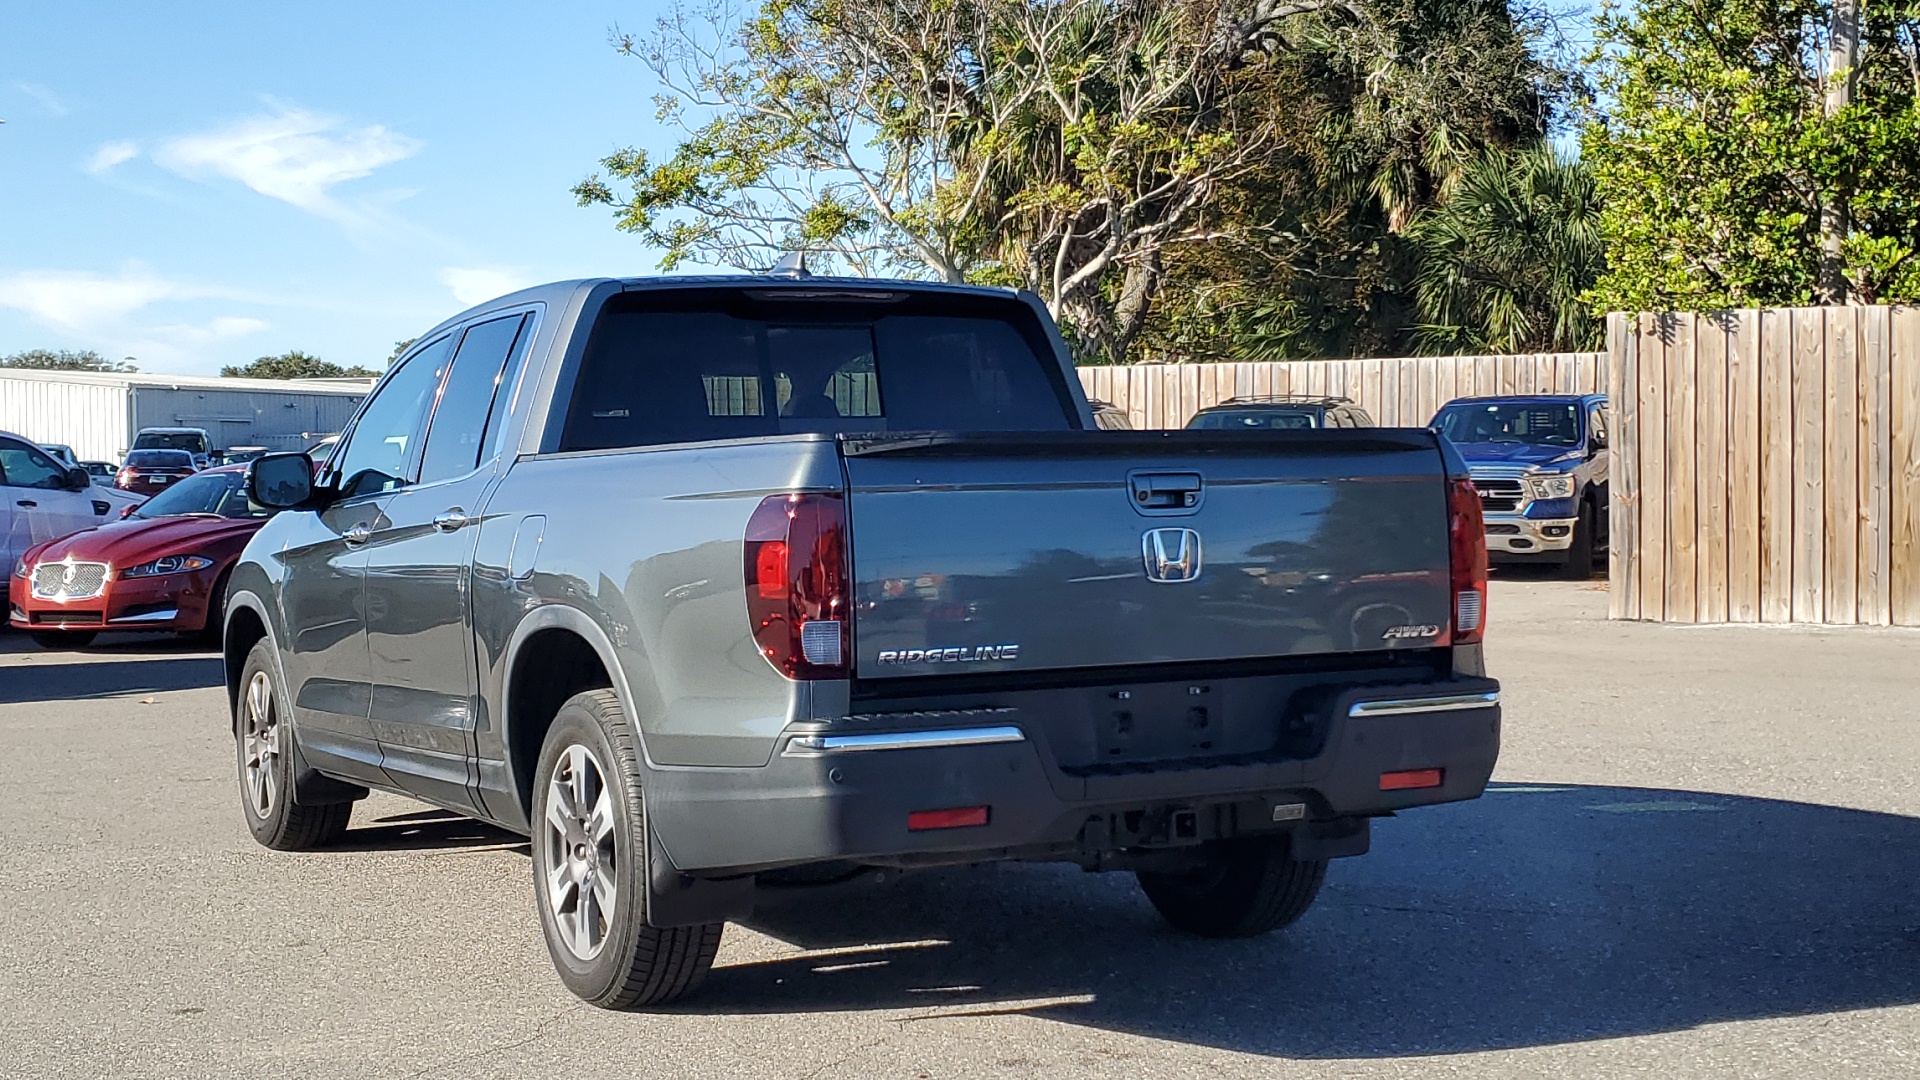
x: 581, y: 862
x: 261, y: 737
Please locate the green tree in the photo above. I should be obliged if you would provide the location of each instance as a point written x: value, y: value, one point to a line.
x: 398, y: 348
x: 1730, y: 144
x: 1505, y: 260
x: 1066, y: 145
x: 65, y: 360
x: 295, y: 365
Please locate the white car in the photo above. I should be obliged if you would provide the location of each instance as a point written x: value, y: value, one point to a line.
x: 41, y: 498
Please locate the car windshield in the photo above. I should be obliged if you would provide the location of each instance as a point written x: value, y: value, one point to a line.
x: 160, y: 459
x: 1255, y: 419
x: 171, y: 440
x: 223, y: 494
x: 1543, y: 424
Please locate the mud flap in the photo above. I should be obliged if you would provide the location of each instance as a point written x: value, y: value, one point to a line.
x: 677, y: 899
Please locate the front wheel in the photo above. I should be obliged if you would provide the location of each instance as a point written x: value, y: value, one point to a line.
x: 263, y: 742
x: 1579, y: 564
x: 63, y: 639
x: 1246, y: 888
x: 590, y: 867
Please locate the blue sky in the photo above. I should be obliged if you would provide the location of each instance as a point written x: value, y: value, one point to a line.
x: 198, y: 184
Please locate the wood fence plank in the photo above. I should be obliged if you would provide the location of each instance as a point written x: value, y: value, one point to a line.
x: 1682, y: 526
x: 1428, y: 400
x: 1743, y: 468
x: 1875, y: 599
x: 1776, y: 466
x: 1243, y: 380
x: 1809, y: 465
x: 1410, y: 394
x: 1840, y: 433
x: 1710, y: 465
x: 1370, y: 388
x: 1653, y: 469
x: 1486, y: 376
x: 1623, y: 550
x: 1904, y: 557
x: 1263, y: 379
x: 1189, y: 395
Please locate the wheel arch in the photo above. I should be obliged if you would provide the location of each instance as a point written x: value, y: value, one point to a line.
x: 579, y: 656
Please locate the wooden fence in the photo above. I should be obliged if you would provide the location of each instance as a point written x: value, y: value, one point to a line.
x: 1403, y: 392
x: 1766, y: 466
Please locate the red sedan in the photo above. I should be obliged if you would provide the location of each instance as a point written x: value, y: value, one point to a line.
x: 149, y: 472
x: 163, y: 567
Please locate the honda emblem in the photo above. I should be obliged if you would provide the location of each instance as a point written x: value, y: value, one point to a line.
x: 1172, y: 555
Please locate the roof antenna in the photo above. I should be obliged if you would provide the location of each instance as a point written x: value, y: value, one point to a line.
x: 791, y: 265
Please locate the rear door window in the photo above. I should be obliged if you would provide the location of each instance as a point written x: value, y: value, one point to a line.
x: 459, y: 420
x: 726, y: 367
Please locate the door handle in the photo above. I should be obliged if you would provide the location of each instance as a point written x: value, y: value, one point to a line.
x: 449, y: 520
x: 359, y: 534
x: 28, y: 503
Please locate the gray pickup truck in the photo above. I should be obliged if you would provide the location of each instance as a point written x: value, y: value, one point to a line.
x: 700, y: 582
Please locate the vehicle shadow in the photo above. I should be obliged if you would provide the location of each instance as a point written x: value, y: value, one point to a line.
x: 427, y: 830
x: 62, y: 681
x: 1537, y: 915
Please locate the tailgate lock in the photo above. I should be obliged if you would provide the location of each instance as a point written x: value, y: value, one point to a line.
x: 1165, y: 493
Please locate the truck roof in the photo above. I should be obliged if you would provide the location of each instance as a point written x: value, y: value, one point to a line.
x: 1522, y: 399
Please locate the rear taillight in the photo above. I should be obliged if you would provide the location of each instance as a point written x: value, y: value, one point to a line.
x: 798, y: 592
x: 1467, y: 560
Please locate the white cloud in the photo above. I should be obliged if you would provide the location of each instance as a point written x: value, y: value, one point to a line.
x: 45, y: 97
x: 81, y: 301
x: 111, y: 155
x: 225, y: 326
x: 295, y: 156
x: 476, y: 284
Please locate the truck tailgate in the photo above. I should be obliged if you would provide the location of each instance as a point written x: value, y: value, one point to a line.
x: 1005, y: 553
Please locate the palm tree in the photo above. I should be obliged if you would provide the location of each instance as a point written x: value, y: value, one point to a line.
x: 1505, y: 258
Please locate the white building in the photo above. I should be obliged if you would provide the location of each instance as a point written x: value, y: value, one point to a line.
x: 98, y: 413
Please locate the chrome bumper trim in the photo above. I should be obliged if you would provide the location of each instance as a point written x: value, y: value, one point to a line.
x: 1530, y: 529
x: 807, y: 745
x: 167, y: 615
x: 1414, y: 706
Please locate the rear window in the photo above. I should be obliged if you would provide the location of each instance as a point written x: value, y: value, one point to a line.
x: 680, y: 367
x: 171, y: 440
x: 160, y: 459
x: 1255, y: 419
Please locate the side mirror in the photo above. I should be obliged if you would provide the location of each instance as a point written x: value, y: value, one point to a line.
x: 278, y: 481
x: 78, y: 480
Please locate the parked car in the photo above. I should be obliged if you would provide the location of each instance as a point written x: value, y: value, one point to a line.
x: 321, y: 451
x: 240, y: 455
x: 149, y: 472
x: 162, y: 567
x: 41, y: 498
x: 193, y: 440
x: 1539, y: 462
x: 62, y: 453
x: 1280, y: 411
x: 1108, y: 417
x: 823, y: 572
x: 101, y: 472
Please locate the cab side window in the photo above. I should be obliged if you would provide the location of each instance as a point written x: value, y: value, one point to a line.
x: 378, y: 454
x: 459, y: 426
x: 22, y: 466
x: 1597, y: 426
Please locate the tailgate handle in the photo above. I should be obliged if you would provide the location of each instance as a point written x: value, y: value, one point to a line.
x: 1165, y: 490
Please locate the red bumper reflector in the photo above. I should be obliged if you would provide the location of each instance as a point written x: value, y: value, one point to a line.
x: 1411, y: 778
x: 960, y: 817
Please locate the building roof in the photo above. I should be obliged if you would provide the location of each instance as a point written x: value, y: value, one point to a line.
x: 357, y: 387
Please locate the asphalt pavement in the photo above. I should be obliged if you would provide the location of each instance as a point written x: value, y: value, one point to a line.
x: 1697, y: 861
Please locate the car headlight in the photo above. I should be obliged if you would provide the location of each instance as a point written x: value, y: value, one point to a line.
x: 20, y: 567
x: 170, y: 564
x: 1550, y: 487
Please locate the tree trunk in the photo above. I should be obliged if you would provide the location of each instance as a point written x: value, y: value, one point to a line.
x: 1137, y: 293
x: 1842, y: 58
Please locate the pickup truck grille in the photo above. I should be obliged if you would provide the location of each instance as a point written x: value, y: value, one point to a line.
x: 1500, y: 489
x: 69, y: 581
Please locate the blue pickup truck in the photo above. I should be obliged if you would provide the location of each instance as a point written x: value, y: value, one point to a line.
x: 1539, y: 462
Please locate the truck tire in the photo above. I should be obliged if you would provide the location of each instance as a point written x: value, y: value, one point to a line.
x: 1248, y: 888
x: 1579, y: 564
x: 590, y: 866
x: 263, y: 743
x: 63, y: 639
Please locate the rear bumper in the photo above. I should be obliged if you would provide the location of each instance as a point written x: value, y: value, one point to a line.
x: 818, y: 801
x: 1518, y: 535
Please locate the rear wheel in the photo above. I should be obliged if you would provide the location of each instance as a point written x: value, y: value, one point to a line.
x: 1579, y: 564
x: 590, y: 866
x: 63, y: 639
x: 215, y: 627
x: 263, y: 743
x: 1247, y: 887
